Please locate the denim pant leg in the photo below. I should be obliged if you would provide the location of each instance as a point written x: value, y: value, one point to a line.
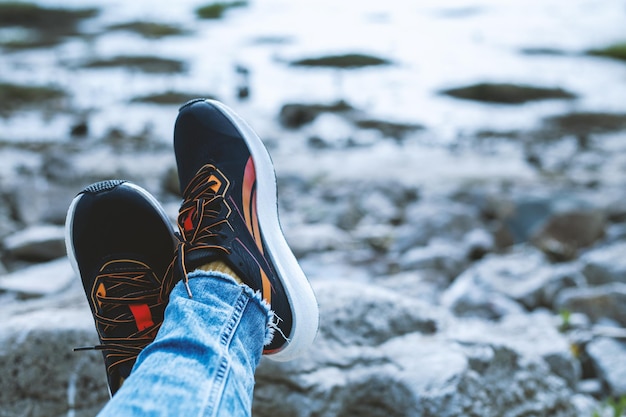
x: 203, y: 359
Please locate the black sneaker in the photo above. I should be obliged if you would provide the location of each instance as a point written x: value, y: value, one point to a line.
x: 121, y: 243
x: 230, y: 213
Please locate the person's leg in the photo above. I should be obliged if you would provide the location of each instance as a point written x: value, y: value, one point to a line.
x: 202, y: 362
x: 203, y: 359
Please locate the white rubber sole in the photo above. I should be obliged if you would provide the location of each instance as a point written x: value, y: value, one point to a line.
x: 299, y: 292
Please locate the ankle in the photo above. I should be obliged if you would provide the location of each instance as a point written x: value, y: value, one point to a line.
x: 219, y: 266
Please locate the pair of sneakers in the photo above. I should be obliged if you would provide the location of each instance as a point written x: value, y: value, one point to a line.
x: 122, y: 245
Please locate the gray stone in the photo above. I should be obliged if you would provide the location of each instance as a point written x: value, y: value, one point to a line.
x: 363, y: 363
x: 39, y: 280
x: 616, y: 233
x: 428, y: 219
x: 36, y: 200
x: 464, y: 299
x: 420, y: 285
x: 411, y: 375
x: 523, y: 276
x: 534, y: 336
x: 44, y: 242
x: 564, y: 234
x: 375, y: 314
x: 40, y: 375
x: 478, y: 243
x: 609, y: 359
x: 602, y: 302
x: 318, y: 237
x: 605, y: 264
x: 523, y: 218
x: 378, y: 237
x: 439, y: 255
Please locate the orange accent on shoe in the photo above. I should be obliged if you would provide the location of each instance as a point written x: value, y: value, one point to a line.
x: 267, y: 287
x: 247, y: 191
x: 217, y: 183
x: 142, y: 315
x: 101, y: 292
x: 248, y: 197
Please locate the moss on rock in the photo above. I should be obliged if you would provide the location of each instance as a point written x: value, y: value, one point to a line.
x: 149, y: 29
x: 217, y: 10
x: 18, y: 96
x: 149, y: 64
x: 44, y: 26
x: 615, y: 51
x: 169, y: 97
x: 394, y: 130
x: 294, y: 115
x: 584, y: 123
x: 505, y: 93
x: 342, y: 61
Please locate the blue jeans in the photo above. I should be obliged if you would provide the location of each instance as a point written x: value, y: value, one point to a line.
x: 203, y: 359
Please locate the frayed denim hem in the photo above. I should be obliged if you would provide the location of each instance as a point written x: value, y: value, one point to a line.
x: 271, y: 323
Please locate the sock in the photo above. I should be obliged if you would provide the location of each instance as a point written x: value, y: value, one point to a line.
x: 220, y: 266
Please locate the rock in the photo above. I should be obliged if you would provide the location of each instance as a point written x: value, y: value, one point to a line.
x: 420, y: 285
x: 565, y: 233
x: 609, y: 359
x: 507, y: 93
x: 585, y: 405
x: 465, y: 300
x: 525, y: 217
x: 39, y: 280
x: 563, y: 276
x: 40, y: 376
x: 439, y: 255
x: 309, y: 238
x: 590, y: 386
x: 615, y: 233
x: 601, y: 302
x: 377, y: 207
x: 295, y: 115
x: 478, y: 242
x: 523, y: 276
x: 378, y: 237
x: 532, y: 336
x: 43, y: 242
x: 393, y: 130
x: 616, y: 210
x: 605, y: 264
x: 375, y: 314
x: 586, y: 123
x: 346, y: 61
x: 426, y: 220
x: 36, y: 202
x: 413, y: 374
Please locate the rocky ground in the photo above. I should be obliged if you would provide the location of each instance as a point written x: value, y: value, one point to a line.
x: 474, y: 296
x: 479, y: 276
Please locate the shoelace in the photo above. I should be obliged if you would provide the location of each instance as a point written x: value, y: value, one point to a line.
x: 200, y: 220
x: 114, y: 316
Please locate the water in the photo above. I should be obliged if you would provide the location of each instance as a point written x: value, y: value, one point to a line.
x: 433, y: 44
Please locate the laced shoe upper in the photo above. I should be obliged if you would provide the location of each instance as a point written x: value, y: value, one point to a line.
x: 121, y: 244
x: 230, y: 214
x: 213, y: 227
x: 128, y: 312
